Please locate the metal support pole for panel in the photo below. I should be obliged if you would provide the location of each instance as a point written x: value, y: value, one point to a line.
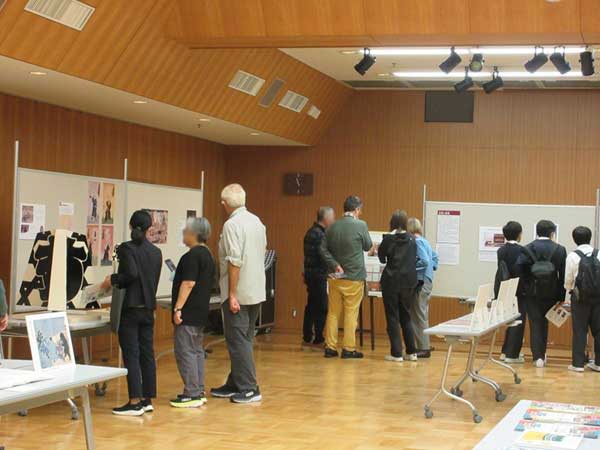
x: 125, y: 205
x: 597, y: 219
x: 424, y: 208
x: 202, y: 189
x: 15, y: 231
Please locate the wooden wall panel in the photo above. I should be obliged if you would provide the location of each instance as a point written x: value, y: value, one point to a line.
x: 590, y: 21
x: 58, y: 139
x: 524, y: 147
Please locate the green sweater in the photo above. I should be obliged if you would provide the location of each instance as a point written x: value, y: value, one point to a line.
x: 344, y: 244
x: 3, y: 307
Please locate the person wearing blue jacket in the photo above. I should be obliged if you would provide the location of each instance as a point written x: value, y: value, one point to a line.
x: 427, y: 263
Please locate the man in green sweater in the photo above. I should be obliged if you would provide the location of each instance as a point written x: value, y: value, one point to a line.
x: 3, y: 308
x: 343, y: 249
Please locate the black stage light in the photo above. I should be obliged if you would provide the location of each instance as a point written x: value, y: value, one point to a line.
x: 587, y: 63
x: 476, y: 63
x: 365, y: 63
x: 451, y: 62
x: 559, y: 61
x: 495, y: 83
x: 538, y: 60
x: 465, y: 84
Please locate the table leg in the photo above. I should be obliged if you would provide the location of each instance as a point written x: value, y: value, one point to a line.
x: 372, y: 312
x: 360, y: 323
x: 428, y: 412
x: 467, y: 373
x: 490, y: 358
x: 87, y: 418
x: 500, y: 396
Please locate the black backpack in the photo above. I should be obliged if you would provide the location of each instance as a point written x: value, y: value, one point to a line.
x: 588, y: 277
x: 544, y: 274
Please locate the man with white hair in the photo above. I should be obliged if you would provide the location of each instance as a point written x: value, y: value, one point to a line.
x: 242, y: 250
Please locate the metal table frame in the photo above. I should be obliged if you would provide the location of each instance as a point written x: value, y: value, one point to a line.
x: 458, y: 334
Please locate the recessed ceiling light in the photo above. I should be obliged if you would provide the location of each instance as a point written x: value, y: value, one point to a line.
x: 203, y: 119
x: 38, y: 73
x: 383, y: 74
x: 254, y: 133
x: 140, y: 102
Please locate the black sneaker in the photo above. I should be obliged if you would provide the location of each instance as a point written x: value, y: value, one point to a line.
x: 423, y: 354
x: 184, y: 401
x: 147, y: 405
x: 249, y: 396
x: 330, y: 353
x: 347, y: 354
x: 130, y: 409
x: 223, y: 391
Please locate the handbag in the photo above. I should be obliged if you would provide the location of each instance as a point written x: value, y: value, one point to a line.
x: 116, y: 306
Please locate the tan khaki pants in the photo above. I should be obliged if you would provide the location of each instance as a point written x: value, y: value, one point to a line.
x: 344, y: 298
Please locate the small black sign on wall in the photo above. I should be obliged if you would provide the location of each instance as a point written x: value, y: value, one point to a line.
x: 298, y: 184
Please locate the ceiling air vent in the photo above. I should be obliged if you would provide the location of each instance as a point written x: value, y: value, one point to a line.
x: 70, y: 13
x: 293, y: 101
x: 272, y: 91
x: 314, y: 112
x: 246, y: 82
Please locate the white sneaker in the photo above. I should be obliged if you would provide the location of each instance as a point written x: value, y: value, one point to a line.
x: 502, y: 357
x: 519, y: 360
x: 412, y: 357
x: 540, y: 363
x: 594, y: 367
x: 572, y: 368
x: 393, y: 358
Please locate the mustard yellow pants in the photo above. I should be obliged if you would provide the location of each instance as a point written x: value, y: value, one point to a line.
x: 344, y: 299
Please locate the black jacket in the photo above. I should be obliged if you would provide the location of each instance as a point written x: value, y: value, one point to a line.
x: 138, y: 274
x: 509, y: 253
x: 398, y: 252
x: 542, y: 249
x: 313, y: 263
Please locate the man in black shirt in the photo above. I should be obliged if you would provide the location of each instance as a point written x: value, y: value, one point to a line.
x: 542, y: 295
x: 190, y: 303
x: 508, y: 255
x: 315, y: 278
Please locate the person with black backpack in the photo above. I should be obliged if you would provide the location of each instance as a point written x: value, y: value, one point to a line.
x: 582, y: 285
x: 398, y: 250
x: 508, y: 256
x: 542, y: 265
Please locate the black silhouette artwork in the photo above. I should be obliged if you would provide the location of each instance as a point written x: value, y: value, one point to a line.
x: 43, y: 269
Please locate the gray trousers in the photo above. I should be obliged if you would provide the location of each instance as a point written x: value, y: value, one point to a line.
x: 419, y: 313
x: 189, y: 354
x: 239, y: 335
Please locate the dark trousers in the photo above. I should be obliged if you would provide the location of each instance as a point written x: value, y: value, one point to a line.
x: 585, y: 316
x: 315, y: 312
x: 538, y: 325
x: 239, y: 335
x: 136, y: 338
x: 397, y: 306
x: 513, y: 339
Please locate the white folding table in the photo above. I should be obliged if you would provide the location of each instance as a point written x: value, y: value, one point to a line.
x: 65, y: 384
x: 504, y: 434
x: 459, y: 331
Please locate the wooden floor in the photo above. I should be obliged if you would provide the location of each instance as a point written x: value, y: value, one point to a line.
x: 309, y: 403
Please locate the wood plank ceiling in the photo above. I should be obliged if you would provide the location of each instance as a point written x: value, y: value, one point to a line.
x: 124, y: 46
x: 338, y: 23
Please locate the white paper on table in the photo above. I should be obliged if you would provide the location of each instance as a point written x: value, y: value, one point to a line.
x: 448, y: 226
x: 448, y: 254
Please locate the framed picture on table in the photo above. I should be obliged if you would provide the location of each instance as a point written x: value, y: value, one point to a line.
x: 50, y: 341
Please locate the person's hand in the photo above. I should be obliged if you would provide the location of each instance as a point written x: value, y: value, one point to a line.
x: 177, y: 320
x: 338, y: 269
x: 234, y: 305
x: 106, y: 284
x: 3, y: 322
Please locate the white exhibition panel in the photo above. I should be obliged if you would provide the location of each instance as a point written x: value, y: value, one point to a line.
x: 463, y: 279
x: 177, y: 201
x: 51, y: 188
